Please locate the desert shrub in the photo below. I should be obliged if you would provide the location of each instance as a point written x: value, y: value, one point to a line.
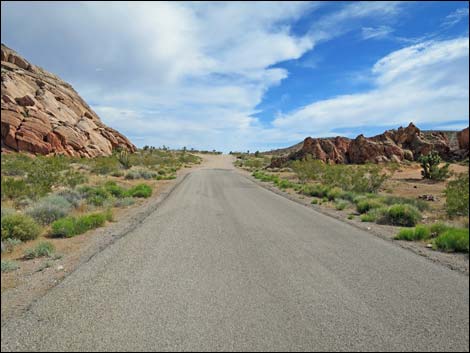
x: 5, y: 211
x: 350, y: 216
x: 430, y: 165
x: 400, y: 215
x: 284, y: 184
x: 104, y: 165
x: 95, y: 195
x: 49, y: 208
x: 70, y: 226
x: 365, y: 205
x: 341, y: 204
x: 72, y: 196
x: 141, y: 190
x: 419, y: 204
x: 422, y: 232
x: 73, y: 178
x: 12, y: 188
x: 8, y: 266
x: 356, y: 178
x: 453, y: 239
x: 438, y: 228
x: 10, y: 243
x: 131, y: 175
x: 117, y: 173
x: 368, y: 217
x: 457, y: 193
x: 23, y: 202
x: 334, y: 193
x: 19, y: 226
x: 406, y: 234
x: 316, y: 190
x: 314, y: 201
x: 44, y: 248
x: 115, y: 190
x: 124, y: 202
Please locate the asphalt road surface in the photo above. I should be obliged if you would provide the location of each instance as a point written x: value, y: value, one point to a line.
x: 225, y: 265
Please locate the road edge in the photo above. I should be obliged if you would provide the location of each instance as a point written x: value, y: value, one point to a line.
x: 404, y: 245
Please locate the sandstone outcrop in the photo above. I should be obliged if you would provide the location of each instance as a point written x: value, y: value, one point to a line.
x: 42, y: 114
x: 393, y: 145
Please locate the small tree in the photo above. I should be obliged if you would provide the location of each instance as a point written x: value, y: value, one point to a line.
x: 430, y: 164
x: 256, y: 153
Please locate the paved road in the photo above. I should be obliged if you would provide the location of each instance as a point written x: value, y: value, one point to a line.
x: 226, y: 265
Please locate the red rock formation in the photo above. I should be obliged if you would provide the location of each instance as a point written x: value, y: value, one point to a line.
x: 42, y: 114
x: 393, y: 145
x: 462, y: 137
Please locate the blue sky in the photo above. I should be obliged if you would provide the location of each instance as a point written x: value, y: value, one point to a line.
x: 238, y: 76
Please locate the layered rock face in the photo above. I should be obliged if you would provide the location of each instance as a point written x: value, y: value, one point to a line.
x: 42, y: 114
x: 393, y: 145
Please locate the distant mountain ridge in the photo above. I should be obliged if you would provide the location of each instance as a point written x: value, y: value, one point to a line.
x: 42, y: 114
x: 393, y: 145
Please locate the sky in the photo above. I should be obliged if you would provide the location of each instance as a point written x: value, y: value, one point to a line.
x: 237, y: 76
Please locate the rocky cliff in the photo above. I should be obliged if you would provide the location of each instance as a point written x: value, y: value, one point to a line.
x: 42, y: 114
x: 393, y: 145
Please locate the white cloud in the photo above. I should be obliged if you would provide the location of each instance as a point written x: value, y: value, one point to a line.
x: 193, y: 73
x: 376, y: 32
x: 455, y: 17
x: 424, y: 83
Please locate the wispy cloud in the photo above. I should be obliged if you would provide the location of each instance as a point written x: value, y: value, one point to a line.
x: 455, y: 17
x: 423, y: 83
x: 379, y: 32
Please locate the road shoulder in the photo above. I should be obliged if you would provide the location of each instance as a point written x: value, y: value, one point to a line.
x: 455, y: 261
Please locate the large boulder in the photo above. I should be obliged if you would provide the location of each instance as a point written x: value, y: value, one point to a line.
x: 42, y: 114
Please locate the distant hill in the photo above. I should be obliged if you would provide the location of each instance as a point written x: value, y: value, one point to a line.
x: 393, y: 145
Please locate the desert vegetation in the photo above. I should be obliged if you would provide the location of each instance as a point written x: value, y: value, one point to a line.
x: 60, y: 197
x: 367, y: 191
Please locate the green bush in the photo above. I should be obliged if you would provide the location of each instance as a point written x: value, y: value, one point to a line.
x: 341, y: 204
x: 453, y: 239
x: 71, y: 226
x: 314, y: 201
x: 19, y: 226
x: 115, y: 190
x: 12, y: 188
x: 104, y: 165
x: 8, y: 266
x: 368, y: 217
x: 140, y: 190
x: 44, y: 248
x: 438, y: 228
x: 72, y: 178
x: 400, y: 215
x: 356, y: 178
x: 457, y: 194
x: 422, y: 232
x: 406, y: 234
x: 334, y: 193
x: 419, y: 204
x: 365, y: 205
x: 49, y: 209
